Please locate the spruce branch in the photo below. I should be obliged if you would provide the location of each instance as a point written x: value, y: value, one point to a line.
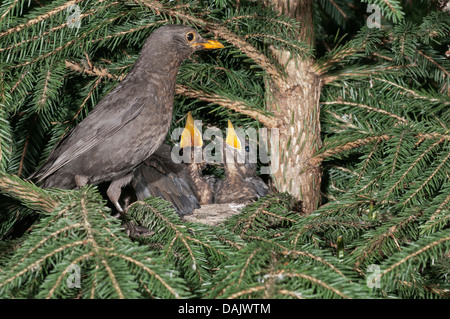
x: 81, y: 232
x: 237, y: 106
x: 38, y: 19
x: 93, y: 70
x: 330, y: 152
x: 322, y: 67
x: 427, y: 181
x: 419, y: 252
x: 259, y: 272
x: 412, y: 92
x: 446, y: 73
x: 7, y: 11
x: 43, y: 34
x: 367, y: 107
x: 186, y: 245
x: 314, y: 281
x: 438, y: 220
x: 367, y: 72
x: 397, y: 152
x: 440, y: 216
x: 130, y: 31
x: 386, y: 238
x: 27, y: 193
x: 297, y: 253
x: 67, y: 45
x: 348, y: 146
x: 266, y: 214
x: 411, y: 167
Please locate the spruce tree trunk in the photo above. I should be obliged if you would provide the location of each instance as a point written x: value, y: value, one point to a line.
x: 295, y: 101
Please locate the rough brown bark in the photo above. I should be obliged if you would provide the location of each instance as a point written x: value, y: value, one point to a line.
x: 295, y: 99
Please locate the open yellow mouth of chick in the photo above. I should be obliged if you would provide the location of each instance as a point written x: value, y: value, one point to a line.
x: 191, y: 135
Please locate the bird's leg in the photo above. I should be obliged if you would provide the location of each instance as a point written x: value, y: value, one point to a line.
x: 113, y: 192
x: 115, y: 189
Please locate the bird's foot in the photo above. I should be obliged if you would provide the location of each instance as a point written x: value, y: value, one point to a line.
x: 135, y: 231
x: 120, y: 211
x: 131, y: 229
x: 115, y: 189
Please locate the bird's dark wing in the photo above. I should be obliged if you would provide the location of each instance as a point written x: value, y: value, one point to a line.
x: 104, y: 121
x: 260, y: 187
x: 157, y: 176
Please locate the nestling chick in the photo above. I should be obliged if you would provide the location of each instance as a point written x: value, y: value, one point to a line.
x: 241, y: 183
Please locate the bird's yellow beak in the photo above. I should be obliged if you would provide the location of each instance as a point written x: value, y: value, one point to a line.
x: 191, y: 136
x: 211, y: 44
x: 232, y: 139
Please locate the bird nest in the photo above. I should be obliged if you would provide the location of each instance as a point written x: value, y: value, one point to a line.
x: 214, y: 214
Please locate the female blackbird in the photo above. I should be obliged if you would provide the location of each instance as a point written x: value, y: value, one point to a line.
x: 130, y: 123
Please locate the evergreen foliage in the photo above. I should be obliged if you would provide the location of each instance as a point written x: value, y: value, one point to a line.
x: 385, y: 121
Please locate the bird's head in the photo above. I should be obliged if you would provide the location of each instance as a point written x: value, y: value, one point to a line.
x: 181, y: 39
x: 240, y: 153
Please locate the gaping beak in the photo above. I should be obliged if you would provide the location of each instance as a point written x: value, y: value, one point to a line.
x: 232, y: 138
x: 210, y: 44
x: 191, y: 135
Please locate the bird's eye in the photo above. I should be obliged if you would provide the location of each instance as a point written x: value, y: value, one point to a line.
x: 190, y: 36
